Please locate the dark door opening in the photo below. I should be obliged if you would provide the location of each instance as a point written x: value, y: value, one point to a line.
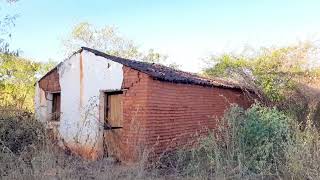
x: 56, y: 106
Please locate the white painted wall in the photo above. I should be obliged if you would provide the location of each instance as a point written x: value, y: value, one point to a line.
x: 70, y: 97
x: 98, y: 74
x: 40, y: 104
x: 79, y: 124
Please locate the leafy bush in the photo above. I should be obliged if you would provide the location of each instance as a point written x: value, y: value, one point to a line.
x: 248, y: 143
x: 261, y: 135
x: 19, y: 131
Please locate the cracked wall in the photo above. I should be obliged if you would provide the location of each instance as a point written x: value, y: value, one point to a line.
x: 156, y: 114
x: 81, y: 78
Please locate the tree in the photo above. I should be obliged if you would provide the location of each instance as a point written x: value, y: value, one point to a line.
x: 6, y: 23
x: 274, y: 71
x: 17, y: 79
x: 108, y: 39
x: 278, y: 76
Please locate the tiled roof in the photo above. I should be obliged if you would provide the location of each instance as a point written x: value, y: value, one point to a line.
x: 164, y: 73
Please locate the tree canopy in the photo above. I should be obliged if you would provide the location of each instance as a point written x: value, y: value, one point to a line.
x: 17, y: 79
x: 108, y: 39
x: 6, y: 23
x: 285, y: 77
x: 17, y: 75
x: 274, y: 71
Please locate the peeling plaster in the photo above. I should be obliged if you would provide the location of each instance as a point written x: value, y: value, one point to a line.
x: 40, y: 104
x: 82, y: 79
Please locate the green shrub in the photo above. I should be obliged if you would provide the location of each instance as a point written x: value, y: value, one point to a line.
x: 261, y: 135
x: 248, y: 143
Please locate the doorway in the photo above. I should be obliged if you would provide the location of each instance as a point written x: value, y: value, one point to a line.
x: 113, y: 122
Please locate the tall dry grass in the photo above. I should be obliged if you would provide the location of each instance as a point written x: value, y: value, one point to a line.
x: 258, y: 143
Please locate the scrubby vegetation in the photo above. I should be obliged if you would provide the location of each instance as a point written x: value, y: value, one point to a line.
x: 256, y: 143
x: 17, y: 79
x: 276, y: 138
x: 287, y: 77
x: 260, y: 142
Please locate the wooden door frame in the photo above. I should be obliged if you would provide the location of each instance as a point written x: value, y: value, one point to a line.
x: 104, y: 112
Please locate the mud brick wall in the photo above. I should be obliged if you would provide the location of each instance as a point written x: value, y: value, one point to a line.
x: 161, y: 115
x: 50, y: 82
x: 133, y: 134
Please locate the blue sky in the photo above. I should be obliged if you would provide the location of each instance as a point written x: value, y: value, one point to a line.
x: 186, y: 31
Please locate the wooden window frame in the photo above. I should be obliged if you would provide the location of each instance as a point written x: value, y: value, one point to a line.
x: 106, y: 107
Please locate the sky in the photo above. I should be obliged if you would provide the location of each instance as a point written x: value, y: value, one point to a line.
x: 187, y: 31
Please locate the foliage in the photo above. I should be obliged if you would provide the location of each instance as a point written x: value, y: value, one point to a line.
x: 257, y: 143
x: 26, y: 153
x: 108, y: 39
x: 273, y: 71
x: 6, y: 23
x: 19, y: 130
x: 262, y: 135
x: 17, y: 79
x: 303, y: 157
x: 247, y: 144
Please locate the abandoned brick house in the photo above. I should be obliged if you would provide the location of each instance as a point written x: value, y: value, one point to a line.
x: 101, y: 105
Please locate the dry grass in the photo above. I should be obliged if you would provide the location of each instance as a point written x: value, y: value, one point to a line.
x: 213, y: 158
x: 49, y: 164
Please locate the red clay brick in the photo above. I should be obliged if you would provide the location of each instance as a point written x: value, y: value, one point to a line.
x: 163, y: 115
x: 168, y: 114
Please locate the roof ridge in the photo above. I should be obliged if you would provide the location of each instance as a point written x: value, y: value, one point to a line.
x: 161, y: 72
x: 165, y: 73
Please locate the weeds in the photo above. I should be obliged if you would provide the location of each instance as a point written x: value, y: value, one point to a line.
x: 257, y: 143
